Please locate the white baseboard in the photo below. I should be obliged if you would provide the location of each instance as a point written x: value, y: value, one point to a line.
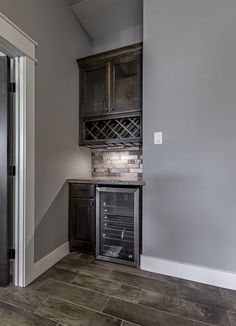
x: 51, y: 259
x: 189, y: 272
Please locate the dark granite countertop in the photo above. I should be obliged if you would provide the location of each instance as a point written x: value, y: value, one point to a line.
x: 109, y: 181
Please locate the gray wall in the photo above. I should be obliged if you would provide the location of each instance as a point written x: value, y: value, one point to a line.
x: 190, y: 95
x: 117, y: 40
x: 61, y: 40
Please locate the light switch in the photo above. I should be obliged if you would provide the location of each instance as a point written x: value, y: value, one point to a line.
x: 158, y: 138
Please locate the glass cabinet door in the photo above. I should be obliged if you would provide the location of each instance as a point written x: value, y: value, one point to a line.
x: 117, y: 225
x: 127, y: 85
x: 95, y: 91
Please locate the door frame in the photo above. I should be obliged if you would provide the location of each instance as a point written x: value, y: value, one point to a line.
x: 18, y: 45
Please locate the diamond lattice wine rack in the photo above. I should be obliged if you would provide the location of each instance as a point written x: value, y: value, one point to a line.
x: 125, y: 131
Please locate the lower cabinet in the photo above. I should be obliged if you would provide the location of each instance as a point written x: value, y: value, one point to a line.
x: 118, y: 226
x: 82, y: 217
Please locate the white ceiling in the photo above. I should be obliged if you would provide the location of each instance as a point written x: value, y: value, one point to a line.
x: 100, y: 18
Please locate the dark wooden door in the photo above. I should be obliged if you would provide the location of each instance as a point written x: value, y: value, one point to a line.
x: 5, y: 180
x: 82, y: 224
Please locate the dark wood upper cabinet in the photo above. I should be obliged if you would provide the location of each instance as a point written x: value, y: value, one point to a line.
x: 111, y: 82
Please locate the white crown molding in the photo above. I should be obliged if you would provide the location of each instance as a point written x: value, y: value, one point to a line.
x: 18, y: 29
x: 14, y: 41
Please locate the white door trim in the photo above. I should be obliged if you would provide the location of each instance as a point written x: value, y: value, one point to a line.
x: 17, y: 44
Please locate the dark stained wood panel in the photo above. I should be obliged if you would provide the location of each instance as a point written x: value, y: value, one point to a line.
x: 107, y: 56
x: 82, y: 224
x: 82, y: 190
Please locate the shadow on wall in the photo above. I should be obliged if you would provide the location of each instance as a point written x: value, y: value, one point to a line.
x: 55, y: 220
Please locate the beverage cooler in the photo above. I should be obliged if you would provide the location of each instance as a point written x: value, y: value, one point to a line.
x: 117, y: 225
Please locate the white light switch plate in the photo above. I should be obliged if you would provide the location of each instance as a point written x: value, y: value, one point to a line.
x: 158, y: 138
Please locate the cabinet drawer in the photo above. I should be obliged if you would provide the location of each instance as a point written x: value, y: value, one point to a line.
x: 82, y: 190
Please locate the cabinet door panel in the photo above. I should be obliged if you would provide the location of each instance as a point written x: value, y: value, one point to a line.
x: 127, y: 85
x: 95, y: 91
x: 82, y: 224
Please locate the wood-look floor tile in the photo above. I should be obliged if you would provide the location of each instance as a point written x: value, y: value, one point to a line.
x: 80, y: 267
x: 110, y: 288
x: 144, y: 283
x: 14, y: 316
x: 81, y: 256
x: 232, y: 317
x: 56, y: 274
x: 205, y: 294
x: 232, y: 321
x: 60, y: 274
x: 162, y: 277
x: 127, y: 323
x: 232, y: 313
x: 22, y: 297
x: 184, y: 308
x: 228, y: 293
x: 199, y: 286
x: 73, y: 315
x: 119, y: 267
x: 135, y: 271
x: 143, y: 315
x: 73, y: 294
x: 229, y: 297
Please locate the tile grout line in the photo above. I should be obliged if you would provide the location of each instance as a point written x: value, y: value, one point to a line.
x: 71, y: 282
x: 105, y: 303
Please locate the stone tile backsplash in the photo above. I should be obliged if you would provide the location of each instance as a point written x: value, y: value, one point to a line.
x: 117, y: 163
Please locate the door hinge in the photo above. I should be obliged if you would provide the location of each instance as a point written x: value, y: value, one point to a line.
x: 12, y: 170
x: 12, y: 87
x: 11, y: 254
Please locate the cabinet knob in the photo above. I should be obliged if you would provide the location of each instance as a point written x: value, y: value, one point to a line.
x: 91, y: 204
